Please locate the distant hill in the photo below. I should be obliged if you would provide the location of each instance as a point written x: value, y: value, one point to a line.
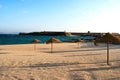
x: 48, y: 33
x: 52, y: 33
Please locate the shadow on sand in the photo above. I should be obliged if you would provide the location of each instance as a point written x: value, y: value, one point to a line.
x: 26, y: 55
x: 82, y: 55
x: 43, y: 48
x: 92, y: 49
x: 3, y: 53
x: 74, y: 63
x: 49, y: 65
x: 73, y: 51
x: 102, y: 68
x: 97, y: 69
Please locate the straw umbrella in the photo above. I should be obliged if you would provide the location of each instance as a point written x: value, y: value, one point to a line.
x: 53, y: 40
x: 35, y: 41
x: 78, y: 41
x: 110, y: 39
x: 95, y: 42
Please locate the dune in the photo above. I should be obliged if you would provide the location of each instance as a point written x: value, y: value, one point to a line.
x: 67, y: 62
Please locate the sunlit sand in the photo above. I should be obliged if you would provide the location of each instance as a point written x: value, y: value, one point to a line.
x: 67, y: 62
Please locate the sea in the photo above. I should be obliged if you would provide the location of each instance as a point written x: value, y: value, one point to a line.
x: 9, y: 39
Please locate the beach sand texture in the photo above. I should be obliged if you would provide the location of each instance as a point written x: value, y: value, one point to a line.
x: 67, y: 62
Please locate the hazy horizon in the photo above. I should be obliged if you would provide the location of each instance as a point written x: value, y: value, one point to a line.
x: 59, y: 15
x: 53, y: 31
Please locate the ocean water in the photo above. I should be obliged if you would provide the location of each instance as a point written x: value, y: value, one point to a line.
x: 27, y: 39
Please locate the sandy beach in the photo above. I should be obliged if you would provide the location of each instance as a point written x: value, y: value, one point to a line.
x: 67, y: 62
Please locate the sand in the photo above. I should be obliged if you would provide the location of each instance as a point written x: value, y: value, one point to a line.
x: 67, y: 62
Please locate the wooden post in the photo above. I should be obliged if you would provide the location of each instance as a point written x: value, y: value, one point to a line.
x: 51, y: 47
x: 78, y: 44
x: 108, y: 49
x: 34, y: 46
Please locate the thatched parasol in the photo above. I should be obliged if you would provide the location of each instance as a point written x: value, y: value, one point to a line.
x: 53, y: 40
x: 112, y: 38
x: 35, y: 41
x: 95, y: 42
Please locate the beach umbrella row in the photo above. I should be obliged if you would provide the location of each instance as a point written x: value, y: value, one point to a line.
x: 51, y: 40
x: 54, y: 40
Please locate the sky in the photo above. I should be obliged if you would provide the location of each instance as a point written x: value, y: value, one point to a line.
x: 59, y: 15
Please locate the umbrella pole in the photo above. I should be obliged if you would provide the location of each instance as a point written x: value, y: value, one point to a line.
x: 78, y: 44
x: 35, y: 46
x: 51, y: 47
x: 108, y: 50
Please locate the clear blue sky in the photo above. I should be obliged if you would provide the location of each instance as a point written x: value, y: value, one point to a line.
x: 59, y: 15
